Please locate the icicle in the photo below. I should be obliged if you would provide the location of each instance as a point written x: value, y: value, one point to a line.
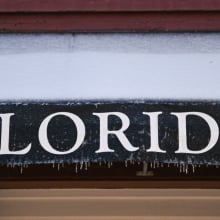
x: 100, y: 163
x: 58, y: 166
x: 126, y: 163
x: 193, y: 168
x: 21, y: 170
x: 184, y: 168
x: 81, y: 165
x: 53, y: 165
x: 109, y: 165
x: 76, y: 168
x: 85, y: 165
x: 187, y: 169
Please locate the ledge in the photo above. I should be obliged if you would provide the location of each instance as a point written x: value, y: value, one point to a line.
x: 103, y: 204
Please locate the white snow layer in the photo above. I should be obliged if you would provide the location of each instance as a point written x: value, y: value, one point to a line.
x: 110, y: 66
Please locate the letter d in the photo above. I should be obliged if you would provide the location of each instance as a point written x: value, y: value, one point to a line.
x: 213, y: 126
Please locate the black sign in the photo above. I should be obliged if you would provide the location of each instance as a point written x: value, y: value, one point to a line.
x: 108, y: 131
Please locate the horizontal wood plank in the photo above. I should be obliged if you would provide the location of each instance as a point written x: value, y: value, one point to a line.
x: 108, y: 22
x: 107, y: 6
x: 112, y: 218
x: 108, y: 184
x: 106, y: 203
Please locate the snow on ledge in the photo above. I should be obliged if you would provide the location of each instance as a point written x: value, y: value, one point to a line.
x: 109, y: 66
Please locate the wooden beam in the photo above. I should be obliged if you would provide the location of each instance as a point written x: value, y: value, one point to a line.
x: 107, y: 6
x: 110, y: 184
x: 108, y: 22
x: 104, y: 203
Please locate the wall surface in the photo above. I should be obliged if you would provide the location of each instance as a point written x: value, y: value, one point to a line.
x: 106, y: 66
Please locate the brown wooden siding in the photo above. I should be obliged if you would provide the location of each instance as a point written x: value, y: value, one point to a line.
x: 108, y: 5
x: 110, y: 16
x: 114, y: 204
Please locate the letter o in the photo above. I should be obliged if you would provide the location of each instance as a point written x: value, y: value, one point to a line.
x: 43, y: 137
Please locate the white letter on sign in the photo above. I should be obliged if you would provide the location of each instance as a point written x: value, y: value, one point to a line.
x: 214, y: 132
x: 43, y: 138
x: 5, y: 137
x: 104, y: 132
x: 154, y: 146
